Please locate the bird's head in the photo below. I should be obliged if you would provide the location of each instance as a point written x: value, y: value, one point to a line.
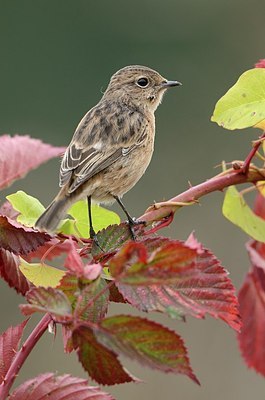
x: 138, y: 85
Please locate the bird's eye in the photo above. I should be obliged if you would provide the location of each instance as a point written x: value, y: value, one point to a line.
x: 142, y: 82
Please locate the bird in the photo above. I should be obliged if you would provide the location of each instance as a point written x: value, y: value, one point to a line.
x: 111, y: 147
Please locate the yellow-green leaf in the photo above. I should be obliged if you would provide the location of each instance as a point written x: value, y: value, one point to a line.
x: 244, y: 104
x: 41, y: 274
x: 29, y: 207
x: 236, y: 210
x: 101, y: 219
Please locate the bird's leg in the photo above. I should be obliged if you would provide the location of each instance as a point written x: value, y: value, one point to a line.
x: 131, y: 221
x: 92, y: 232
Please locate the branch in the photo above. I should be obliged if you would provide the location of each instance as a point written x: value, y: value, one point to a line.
x: 22, y: 355
x: 166, y: 209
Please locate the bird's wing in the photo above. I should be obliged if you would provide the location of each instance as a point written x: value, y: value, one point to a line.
x: 92, y: 151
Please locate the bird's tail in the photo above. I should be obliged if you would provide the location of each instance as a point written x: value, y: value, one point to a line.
x: 53, y: 214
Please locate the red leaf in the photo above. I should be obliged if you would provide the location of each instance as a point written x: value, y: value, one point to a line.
x: 148, y: 342
x: 9, y: 345
x: 10, y: 272
x: 50, y: 250
x: 193, y: 243
x: 74, y: 263
x: 20, y: 154
x: 101, y: 363
x: 177, y: 280
x: 252, y: 308
x: 19, y: 239
x: 64, y: 387
x: 115, y: 295
x: 92, y: 271
x: 259, y: 207
x: 48, y: 300
x: 134, y: 264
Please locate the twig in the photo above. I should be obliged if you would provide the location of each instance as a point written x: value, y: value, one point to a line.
x: 252, y: 153
x: 218, y: 183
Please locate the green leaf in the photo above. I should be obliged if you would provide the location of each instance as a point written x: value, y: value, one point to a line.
x: 29, y: 207
x: 41, y: 274
x: 101, y: 219
x: 111, y: 238
x: 239, y: 213
x: 151, y: 344
x: 101, y: 363
x: 244, y: 104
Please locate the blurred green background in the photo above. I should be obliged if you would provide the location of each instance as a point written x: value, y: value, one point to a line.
x: 56, y: 58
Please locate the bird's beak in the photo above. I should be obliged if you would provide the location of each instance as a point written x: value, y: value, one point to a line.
x: 167, y: 84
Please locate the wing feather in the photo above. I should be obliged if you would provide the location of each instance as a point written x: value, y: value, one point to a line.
x: 87, y: 156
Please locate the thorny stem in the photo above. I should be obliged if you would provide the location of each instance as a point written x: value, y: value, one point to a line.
x: 219, y: 182
x: 22, y: 355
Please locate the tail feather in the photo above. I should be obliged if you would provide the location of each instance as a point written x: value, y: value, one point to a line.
x: 53, y: 214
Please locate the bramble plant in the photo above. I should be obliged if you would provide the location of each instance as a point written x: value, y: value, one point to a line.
x: 154, y: 273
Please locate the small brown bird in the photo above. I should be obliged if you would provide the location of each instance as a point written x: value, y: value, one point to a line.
x: 112, y: 145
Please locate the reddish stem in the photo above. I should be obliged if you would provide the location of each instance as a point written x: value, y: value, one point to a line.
x: 161, y: 224
x: 22, y: 355
x: 219, y: 182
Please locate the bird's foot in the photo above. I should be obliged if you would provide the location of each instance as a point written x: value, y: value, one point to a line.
x: 132, y: 222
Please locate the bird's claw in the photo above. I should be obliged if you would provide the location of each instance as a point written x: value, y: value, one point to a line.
x: 134, y: 222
